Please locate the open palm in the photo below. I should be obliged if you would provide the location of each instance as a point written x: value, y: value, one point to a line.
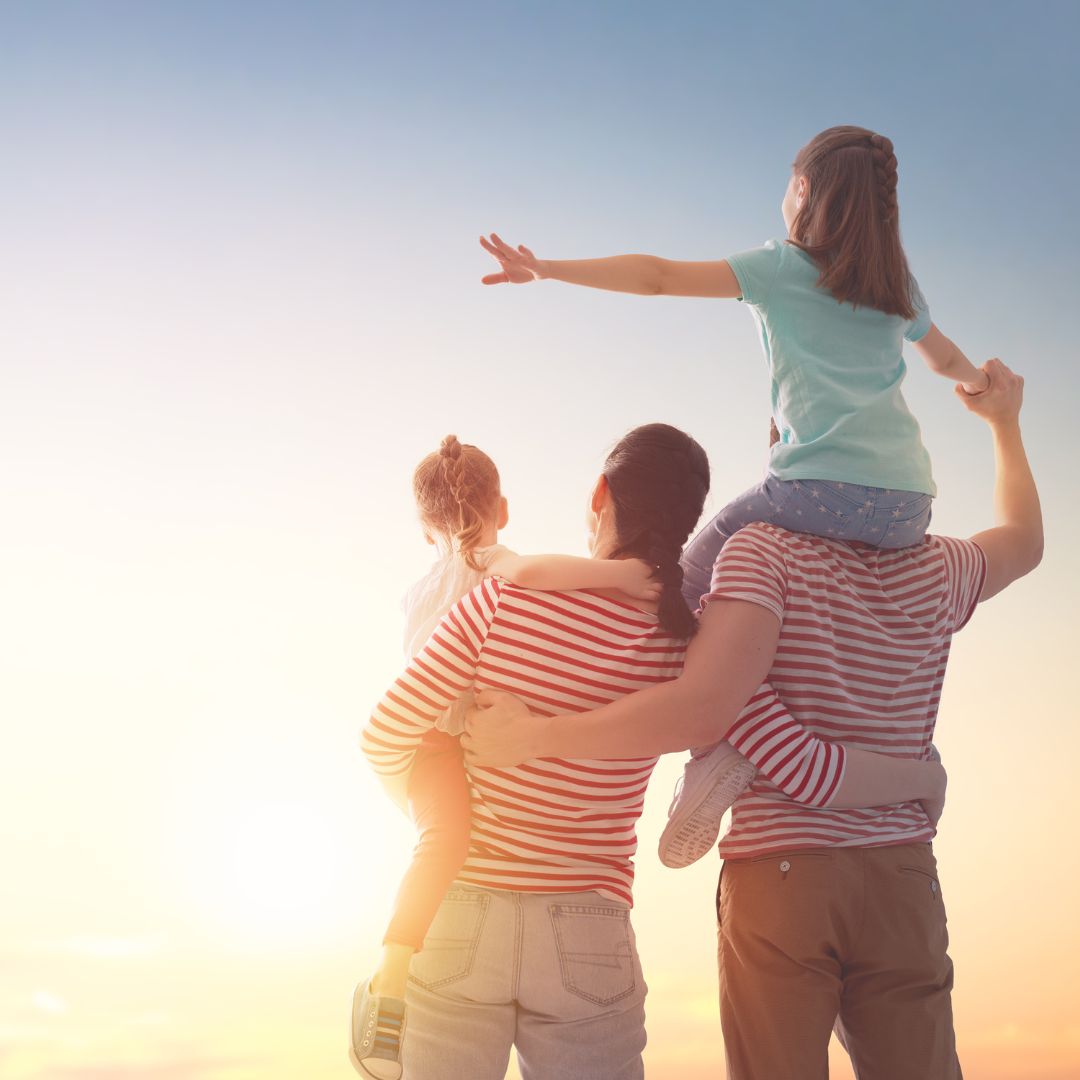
x: 517, y: 266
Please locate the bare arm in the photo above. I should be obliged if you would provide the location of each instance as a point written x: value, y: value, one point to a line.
x: 943, y: 357
x: 644, y: 275
x: 882, y: 780
x: 1014, y: 547
x: 554, y: 572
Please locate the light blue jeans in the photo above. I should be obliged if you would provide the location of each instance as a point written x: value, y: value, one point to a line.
x: 555, y: 974
x: 876, y: 516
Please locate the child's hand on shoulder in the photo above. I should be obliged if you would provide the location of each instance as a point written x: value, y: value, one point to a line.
x: 636, y: 579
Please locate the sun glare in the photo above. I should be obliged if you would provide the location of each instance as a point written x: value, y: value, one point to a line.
x: 271, y: 867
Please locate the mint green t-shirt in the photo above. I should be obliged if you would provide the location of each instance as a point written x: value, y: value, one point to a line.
x: 836, y: 372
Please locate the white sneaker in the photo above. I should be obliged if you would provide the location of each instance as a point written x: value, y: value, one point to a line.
x: 709, y: 785
x: 375, y: 1034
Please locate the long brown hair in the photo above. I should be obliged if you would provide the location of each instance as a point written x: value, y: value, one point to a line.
x: 849, y: 222
x: 457, y: 493
x: 658, y: 477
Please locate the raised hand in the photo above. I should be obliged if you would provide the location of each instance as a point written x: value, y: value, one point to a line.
x: 1001, y: 400
x: 517, y: 267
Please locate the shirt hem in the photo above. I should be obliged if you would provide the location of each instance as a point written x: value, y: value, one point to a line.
x: 916, y: 485
x: 923, y: 836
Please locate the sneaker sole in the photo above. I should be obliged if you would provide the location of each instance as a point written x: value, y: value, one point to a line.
x: 692, y: 832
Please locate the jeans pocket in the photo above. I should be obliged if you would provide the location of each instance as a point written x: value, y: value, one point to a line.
x: 909, y: 523
x: 450, y: 946
x: 596, y: 954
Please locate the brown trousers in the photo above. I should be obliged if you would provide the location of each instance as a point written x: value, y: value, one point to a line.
x: 851, y: 937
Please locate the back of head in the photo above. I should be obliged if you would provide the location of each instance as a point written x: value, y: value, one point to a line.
x: 849, y: 222
x: 658, y: 477
x: 457, y: 493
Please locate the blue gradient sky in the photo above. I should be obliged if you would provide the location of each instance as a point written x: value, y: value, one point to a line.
x: 242, y: 299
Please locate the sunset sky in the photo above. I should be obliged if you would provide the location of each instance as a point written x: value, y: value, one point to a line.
x: 240, y: 271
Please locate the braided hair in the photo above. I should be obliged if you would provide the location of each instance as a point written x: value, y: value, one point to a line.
x: 849, y: 223
x: 881, y: 150
x: 658, y: 477
x: 457, y: 492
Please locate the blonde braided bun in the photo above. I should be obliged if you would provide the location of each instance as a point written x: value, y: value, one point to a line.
x: 457, y: 493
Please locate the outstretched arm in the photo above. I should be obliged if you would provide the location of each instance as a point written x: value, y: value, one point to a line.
x: 645, y: 275
x: 554, y: 572
x: 943, y: 357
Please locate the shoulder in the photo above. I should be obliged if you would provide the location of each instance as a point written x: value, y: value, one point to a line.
x: 474, y: 612
x: 759, y: 549
x: 761, y: 537
x: 767, y: 256
x: 596, y: 607
x: 756, y: 269
x: 960, y: 558
x: 485, y: 556
x: 949, y: 547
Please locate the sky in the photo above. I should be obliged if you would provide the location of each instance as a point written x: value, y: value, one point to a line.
x: 242, y: 300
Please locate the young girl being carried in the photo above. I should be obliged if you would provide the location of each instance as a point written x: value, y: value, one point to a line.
x: 834, y: 302
x: 462, y: 509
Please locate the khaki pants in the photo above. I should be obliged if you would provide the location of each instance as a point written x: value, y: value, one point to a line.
x: 852, y: 937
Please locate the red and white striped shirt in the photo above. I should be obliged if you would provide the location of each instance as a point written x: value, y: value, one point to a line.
x: 864, y: 640
x: 551, y: 825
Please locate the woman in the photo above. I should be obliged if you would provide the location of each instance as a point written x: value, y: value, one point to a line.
x: 533, y: 946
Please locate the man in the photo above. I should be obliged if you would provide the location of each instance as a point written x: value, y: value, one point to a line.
x: 826, y: 915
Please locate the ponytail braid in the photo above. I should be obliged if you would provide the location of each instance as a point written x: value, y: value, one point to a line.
x: 664, y: 551
x: 881, y: 149
x: 658, y: 477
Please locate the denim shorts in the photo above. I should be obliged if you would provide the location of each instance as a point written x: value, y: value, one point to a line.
x: 837, y: 511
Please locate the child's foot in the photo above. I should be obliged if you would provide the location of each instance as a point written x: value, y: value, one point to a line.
x: 709, y: 785
x: 378, y: 1028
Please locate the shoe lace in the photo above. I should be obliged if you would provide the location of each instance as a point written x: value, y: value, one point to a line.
x: 678, y: 793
